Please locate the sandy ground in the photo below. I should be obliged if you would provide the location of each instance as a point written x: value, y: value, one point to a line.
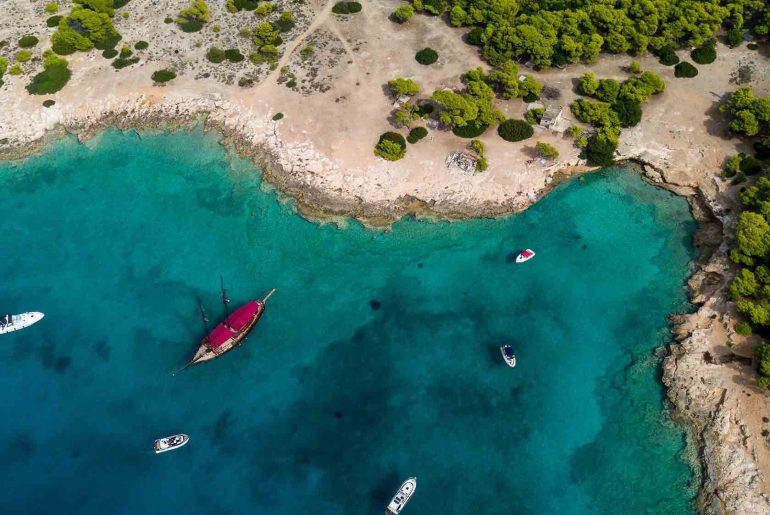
x: 339, y: 106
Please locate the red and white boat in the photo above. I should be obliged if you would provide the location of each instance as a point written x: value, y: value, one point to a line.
x: 525, y: 256
x: 231, y: 332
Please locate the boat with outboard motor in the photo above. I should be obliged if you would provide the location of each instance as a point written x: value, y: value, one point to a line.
x: 170, y: 443
x: 525, y: 256
x: 11, y: 323
x: 402, y: 496
x: 232, y: 331
x: 508, y: 355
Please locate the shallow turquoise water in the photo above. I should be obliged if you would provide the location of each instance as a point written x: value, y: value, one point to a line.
x: 331, y: 403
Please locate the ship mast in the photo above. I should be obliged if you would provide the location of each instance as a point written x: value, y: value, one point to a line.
x: 203, y: 318
x: 225, y: 300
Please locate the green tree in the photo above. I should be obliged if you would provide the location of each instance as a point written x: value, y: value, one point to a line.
x: 197, y: 11
x: 762, y: 355
x: 403, y: 13
x: 391, y: 146
x: 752, y: 234
x: 265, y: 34
x: 546, y: 151
x: 587, y: 84
x: 401, y: 86
x: 744, y: 285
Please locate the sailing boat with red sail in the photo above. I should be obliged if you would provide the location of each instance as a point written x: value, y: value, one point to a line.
x: 232, y: 331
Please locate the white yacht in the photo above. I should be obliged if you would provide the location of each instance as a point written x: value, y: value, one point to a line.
x: 402, y: 496
x: 525, y: 256
x: 11, y: 323
x: 170, y: 443
x: 508, y: 355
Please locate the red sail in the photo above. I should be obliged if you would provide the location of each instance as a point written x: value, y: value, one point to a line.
x: 234, y: 324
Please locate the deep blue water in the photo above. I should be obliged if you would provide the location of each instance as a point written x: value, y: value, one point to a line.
x: 377, y: 358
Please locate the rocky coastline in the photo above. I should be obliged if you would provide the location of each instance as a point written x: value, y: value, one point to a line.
x: 710, y: 410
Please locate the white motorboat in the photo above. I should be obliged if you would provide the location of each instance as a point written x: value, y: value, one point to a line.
x: 402, y: 496
x: 508, y: 355
x: 11, y: 323
x: 525, y: 256
x: 170, y: 443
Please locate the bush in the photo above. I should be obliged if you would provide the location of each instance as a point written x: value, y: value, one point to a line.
x: 685, y: 70
x: 346, y: 8
x: 667, y: 55
x: 403, y: 13
x: 168, y: 20
x: 470, y: 130
x: 109, y: 53
x: 277, y: 116
x: 752, y: 46
x: 704, y: 54
x: 635, y: 68
x: 750, y: 165
x: 123, y: 62
x: 734, y: 37
x: 141, y: 45
x: 474, y: 36
x: 51, y: 7
x: 28, y: 41
x: 515, y: 130
x: 22, y: 56
x: 53, y: 21
x: 629, y: 111
x: 234, y: 55
x: 416, y: 134
x: 546, y: 151
x: 162, y: 76
x: 48, y: 103
x: 762, y: 355
x: 533, y: 116
x: 600, y: 151
x: 743, y: 328
x: 574, y: 131
x: 215, y: 55
x: 15, y: 70
x: 191, y: 26
x: 391, y: 146
x: 54, y: 76
x: 426, y: 56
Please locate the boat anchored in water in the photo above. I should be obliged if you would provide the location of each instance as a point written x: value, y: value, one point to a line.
x: 170, y: 443
x: 508, y: 355
x: 525, y: 256
x: 402, y: 496
x: 232, y: 331
x: 11, y: 323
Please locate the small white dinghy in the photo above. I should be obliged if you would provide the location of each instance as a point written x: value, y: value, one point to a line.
x: 11, y: 323
x: 508, y: 355
x: 170, y: 443
x: 402, y: 496
x: 525, y: 256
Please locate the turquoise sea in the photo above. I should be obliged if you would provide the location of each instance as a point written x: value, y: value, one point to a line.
x: 377, y: 358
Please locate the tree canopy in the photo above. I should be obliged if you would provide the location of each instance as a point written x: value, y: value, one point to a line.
x: 749, y: 115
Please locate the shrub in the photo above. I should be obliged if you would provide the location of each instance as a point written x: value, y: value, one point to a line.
x: 22, y: 56
x: 215, y: 29
x: 109, y: 53
x: 53, y: 21
x: 234, y: 55
x: 162, y: 76
x: 54, y: 76
x: 285, y: 21
x: 635, y: 67
x: 470, y: 130
x: 277, y: 116
x: 574, y: 131
x: 481, y: 164
x: 48, y: 103
x: 346, y: 8
x: 168, y: 20
x: 667, y: 55
x: 600, y: 151
x: 478, y: 146
x: 685, y: 70
x: 403, y: 13
x: 3, y: 65
x: 546, y: 151
x: 15, y: 69
x: 750, y: 165
x: 474, y: 36
x: 215, y: 55
x: 530, y: 97
x: 515, y: 130
x: 704, y: 54
x: 51, y: 7
x: 734, y: 37
x: 426, y: 56
x: 752, y: 46
x: 762, y: 355
x: 743, y: 328
x: 533, y: 116
x: 141, y: 45
x: 629, y: 111
x: 404, y: 86
x: 28, y: 41
x: 416, y: 134
x: 191, y: 26
x: 307, y: 52
x: 123, y: 62
x: 391, y: 146
x: 434, y: 7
